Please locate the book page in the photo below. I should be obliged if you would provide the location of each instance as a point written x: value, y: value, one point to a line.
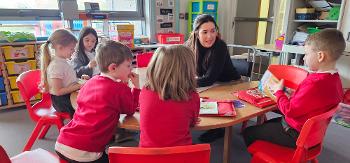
x: 208, y: 108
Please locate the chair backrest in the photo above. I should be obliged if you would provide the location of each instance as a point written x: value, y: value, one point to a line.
x: 311, y: 136
x: 28, y: 85
x: 4, y: 158
x: 292, y: 75
x: 199, y: 153
x: 143, y: 59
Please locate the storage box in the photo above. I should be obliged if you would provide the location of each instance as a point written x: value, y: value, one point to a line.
x: 12, y: 80
x: 304, y: 10
x: 125, y: 34
x: 14, y: 68
x: 143, y: 59
x: 16, y: 97
x: 170, y: 38
x: 2, y: 86
x: 305, y: 16
x: 3, y: 99
x: 24, y: 52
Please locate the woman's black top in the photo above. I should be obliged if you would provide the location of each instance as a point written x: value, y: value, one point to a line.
x: 219, y: 66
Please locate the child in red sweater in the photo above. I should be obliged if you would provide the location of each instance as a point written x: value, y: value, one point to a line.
x: 100, y: 102
x: 169, y: 103
x: 320, y: 91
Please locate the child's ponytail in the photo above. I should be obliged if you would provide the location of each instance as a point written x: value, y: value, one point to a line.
x: 45, y: 61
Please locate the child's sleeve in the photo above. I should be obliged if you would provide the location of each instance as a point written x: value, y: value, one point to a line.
x: 80, y: 68
x: 196, y: 101
x: 129, y: 100
x: 300, y: 103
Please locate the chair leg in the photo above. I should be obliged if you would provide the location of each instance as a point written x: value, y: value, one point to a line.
x: 44, y: 131
x: 261, y: 119
x: 59, y: 124
x: 244, y: 125
x: 33, y: 136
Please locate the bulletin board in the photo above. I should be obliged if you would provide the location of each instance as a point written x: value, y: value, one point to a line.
x: 165, y: 16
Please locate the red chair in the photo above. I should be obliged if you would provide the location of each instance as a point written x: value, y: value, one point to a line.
x: 4, y: 158
x: 41, y: 112
x: 309, y: 143
x: 143, y: 59
x: 199, y: 153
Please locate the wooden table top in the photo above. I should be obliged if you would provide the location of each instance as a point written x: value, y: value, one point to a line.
x: 221, y: 92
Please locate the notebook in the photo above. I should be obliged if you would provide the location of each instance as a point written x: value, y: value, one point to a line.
x: 209, y: 107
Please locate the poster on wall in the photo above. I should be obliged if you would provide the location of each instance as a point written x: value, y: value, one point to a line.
x: 165, y: 12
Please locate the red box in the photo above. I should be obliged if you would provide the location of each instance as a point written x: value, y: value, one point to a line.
x: 170, y: 38
x: 143, y: 59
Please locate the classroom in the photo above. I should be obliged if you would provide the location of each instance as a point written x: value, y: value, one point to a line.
x: 207, y: 81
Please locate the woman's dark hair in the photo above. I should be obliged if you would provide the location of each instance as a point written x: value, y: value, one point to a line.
x: 84, y: 32
x: 193, y: 41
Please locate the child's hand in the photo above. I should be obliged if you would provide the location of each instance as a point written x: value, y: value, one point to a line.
x: 85, y: 77
x: 92, y: 64
x: 134, y: 79
x: 279, y: 86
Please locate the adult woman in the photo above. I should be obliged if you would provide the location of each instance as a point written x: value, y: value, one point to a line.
x: 213, y: 60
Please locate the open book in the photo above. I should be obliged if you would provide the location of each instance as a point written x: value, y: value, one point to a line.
x: 269, y: 82
x: 217, y: 107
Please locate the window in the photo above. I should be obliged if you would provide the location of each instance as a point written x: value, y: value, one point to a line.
x: 111, y: 5
x: 118, y: 9
x: 38, y: 28
x: 30, y: 4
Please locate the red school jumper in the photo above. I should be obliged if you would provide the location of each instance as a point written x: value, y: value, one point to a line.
x: 166, y: 123
x: 317, y: 94
x: 100, y: 103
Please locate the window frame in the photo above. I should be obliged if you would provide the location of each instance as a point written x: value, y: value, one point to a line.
x: 51, y: 14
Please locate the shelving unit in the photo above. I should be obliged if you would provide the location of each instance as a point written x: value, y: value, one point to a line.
x: 291, y: 25
x: 14, y: 64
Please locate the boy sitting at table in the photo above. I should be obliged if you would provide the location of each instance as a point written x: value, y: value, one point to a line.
x: 320, y: 91
x: 100, y: 102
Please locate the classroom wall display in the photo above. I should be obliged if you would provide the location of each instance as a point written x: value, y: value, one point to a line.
x: 165, y: 12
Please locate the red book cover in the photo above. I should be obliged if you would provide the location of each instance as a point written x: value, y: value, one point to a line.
x: 220, y: 108
x: 255, y: 97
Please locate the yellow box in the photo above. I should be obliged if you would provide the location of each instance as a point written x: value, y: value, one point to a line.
x: 304, y: 10
x: 23, y: 52
x: 17, y: 98
x: 14, y: 68
x: 125, y: 34
x: 12, y: 80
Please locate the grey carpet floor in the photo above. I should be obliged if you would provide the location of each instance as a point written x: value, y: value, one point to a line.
x: 16, y: 126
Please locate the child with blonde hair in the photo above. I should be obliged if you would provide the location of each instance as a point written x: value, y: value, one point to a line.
x: 320, y: 91
x: 100, y: 102
x: 57, y: 76
x: 169, y: 103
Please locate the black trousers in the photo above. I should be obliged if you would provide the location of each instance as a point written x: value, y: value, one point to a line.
x: 62, y: 104
x: 102, y: 159
x: 272, y: 131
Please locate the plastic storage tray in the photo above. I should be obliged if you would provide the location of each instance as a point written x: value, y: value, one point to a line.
x: 14, y: 68
x: 23, y: 52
